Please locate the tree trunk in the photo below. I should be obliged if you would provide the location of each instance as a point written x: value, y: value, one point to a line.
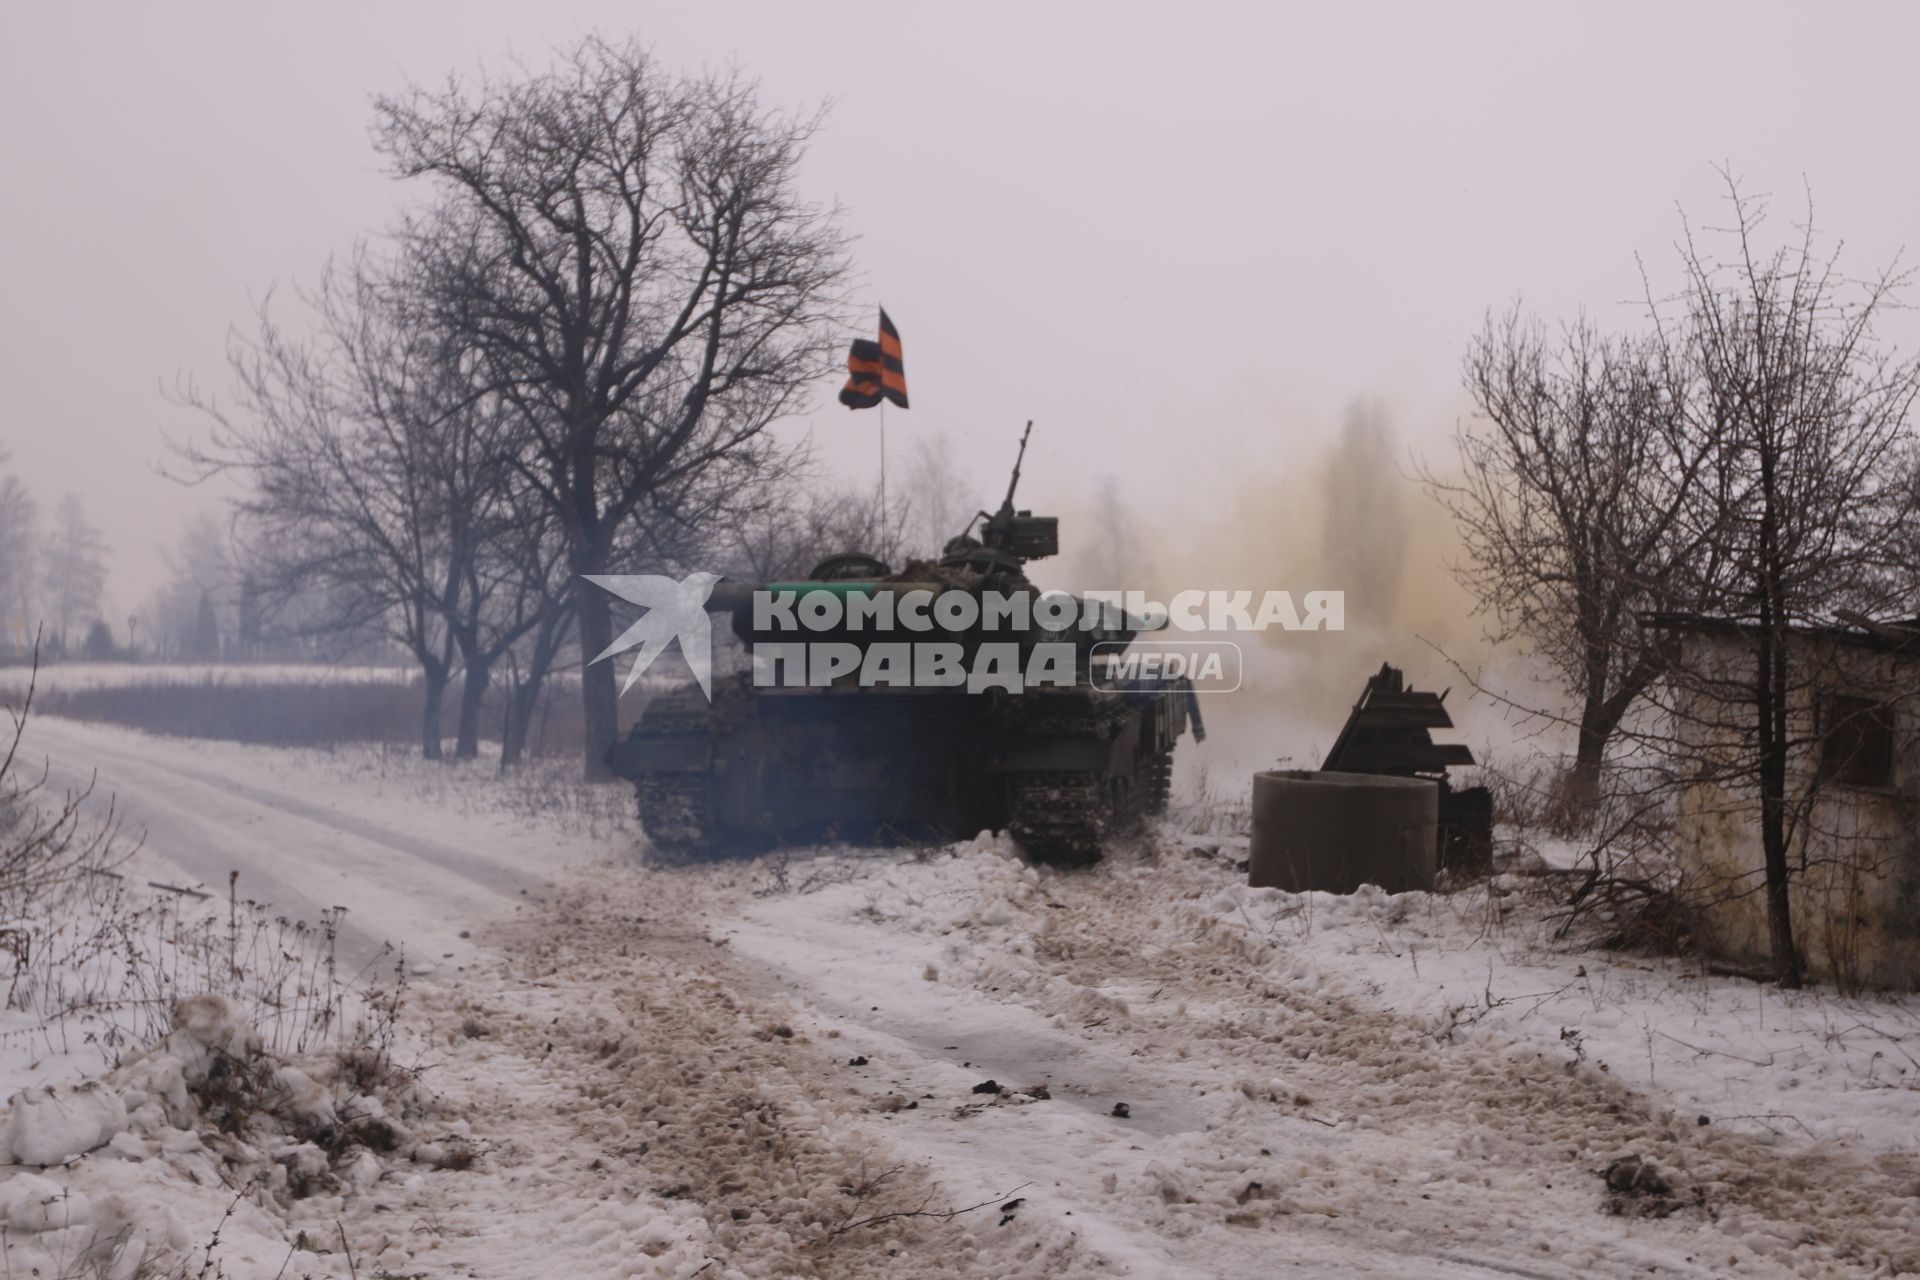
x: 1583, y: 784
x: 548, y: 638
x: 524, y: 701
x: 513, y: 729
x: 1600, y: 720
x: 1770, y: 705
x: 599, y: 698
x: 436, y: 678
x: 473, y: 689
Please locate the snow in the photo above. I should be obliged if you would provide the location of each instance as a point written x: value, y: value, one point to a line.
x: 1252, y: 1049
x: 415, y: 851
x: 126, y: 1178
x: 771, y: 1068
x: 53, y: 676
x: 1814, y: 1063
x: 54, y: 1125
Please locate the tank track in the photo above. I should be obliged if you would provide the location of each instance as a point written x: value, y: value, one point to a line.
x: 1065, y: 818
x: 677, y: 816
x: 1058, y: 818
x: 1156, y: 783
x: 676, y: 809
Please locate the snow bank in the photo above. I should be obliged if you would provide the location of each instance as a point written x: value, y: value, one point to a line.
x: 125, y: 1160
x: 52, y: 1126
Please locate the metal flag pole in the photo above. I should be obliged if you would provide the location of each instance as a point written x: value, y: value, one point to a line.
x: 883, y: 468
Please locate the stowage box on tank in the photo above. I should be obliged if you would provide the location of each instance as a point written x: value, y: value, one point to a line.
x: 1061, y: 766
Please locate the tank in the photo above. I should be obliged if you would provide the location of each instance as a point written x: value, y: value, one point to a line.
x: 1065, y: 766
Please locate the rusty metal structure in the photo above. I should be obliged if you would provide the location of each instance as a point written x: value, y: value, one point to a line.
x: 1390, y: 731
x: 1064, y: 767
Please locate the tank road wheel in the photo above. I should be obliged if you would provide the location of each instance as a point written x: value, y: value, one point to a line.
x: 1058, y: 818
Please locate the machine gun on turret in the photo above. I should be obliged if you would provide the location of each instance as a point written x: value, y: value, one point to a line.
x: 1020, y: 534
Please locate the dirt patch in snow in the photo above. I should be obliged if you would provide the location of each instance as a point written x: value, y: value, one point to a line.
x: 686, y: 1086
x: 1274, y: 1099
x: 1138, y: 952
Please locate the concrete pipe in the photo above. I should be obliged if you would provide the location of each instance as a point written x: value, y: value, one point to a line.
x: 1338, y: 831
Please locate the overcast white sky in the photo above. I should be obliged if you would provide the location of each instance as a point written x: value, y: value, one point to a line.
x: 1179, y: 236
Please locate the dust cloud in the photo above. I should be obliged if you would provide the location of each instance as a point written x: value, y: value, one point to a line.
x: 1345, y: 511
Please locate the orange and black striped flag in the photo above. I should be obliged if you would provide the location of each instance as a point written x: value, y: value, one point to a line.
x: 875, y: 370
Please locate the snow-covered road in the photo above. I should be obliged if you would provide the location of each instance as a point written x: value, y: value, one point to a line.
x: 780, y: 1068
x: 300, y: 837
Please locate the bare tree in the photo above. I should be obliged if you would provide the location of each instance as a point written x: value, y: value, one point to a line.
x: 529, y: 662
x: 1363, y: 522
x: 75, y: 568
x: 361, y: 472
x: 1804, y: 418
x: 672, y: 532
x: 45, y: 841
x: 516, y: 589
x: 190, y: 613
x: 784, y: 538
x: 19, y: 560
x: 637, y: 273
x: 1569, y: 496
x: 939, y: 496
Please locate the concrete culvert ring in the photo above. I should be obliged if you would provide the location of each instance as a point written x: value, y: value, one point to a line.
x: 1338, y: 831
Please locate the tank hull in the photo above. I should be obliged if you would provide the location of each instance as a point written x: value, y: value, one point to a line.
x: 1064, y: 769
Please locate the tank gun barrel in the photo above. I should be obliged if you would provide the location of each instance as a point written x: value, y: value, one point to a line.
x: 1007, y: 503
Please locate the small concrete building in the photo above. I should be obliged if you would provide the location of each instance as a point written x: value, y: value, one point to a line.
x: 1853, y: 792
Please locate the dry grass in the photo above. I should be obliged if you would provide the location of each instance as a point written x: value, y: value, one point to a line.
x: 105, y: 964
x: 1213, y: 806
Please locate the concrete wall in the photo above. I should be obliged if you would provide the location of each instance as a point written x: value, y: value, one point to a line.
x: 1855, y: 868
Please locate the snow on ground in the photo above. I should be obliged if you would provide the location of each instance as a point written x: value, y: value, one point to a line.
x: 416, y: 854
x: 1808, y: 1064
x: 1274, y: 1085
x: 177, y: 1072
x: 191, y: 1155
x: 667, y: 1118
x: 50, y: 676
x: 415, y: 851
x: 945, y: 1062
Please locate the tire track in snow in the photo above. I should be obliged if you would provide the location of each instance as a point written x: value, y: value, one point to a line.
x: 1179, y: 1187
x: 661, y: 1124
x: 1188, y: 985
x: 300, y: 856
x: 1336, y: 1130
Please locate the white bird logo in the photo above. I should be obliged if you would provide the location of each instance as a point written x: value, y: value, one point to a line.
x: 674, y: 610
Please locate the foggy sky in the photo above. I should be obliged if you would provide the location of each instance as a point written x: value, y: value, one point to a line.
x: 1181, y: 237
